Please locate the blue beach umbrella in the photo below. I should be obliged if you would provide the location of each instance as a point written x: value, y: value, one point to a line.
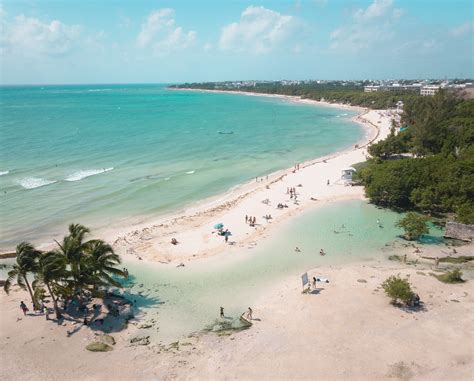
x: 220, y: 225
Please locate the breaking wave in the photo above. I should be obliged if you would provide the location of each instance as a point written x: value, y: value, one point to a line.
x: 76, y: 176
x: 34, y: 182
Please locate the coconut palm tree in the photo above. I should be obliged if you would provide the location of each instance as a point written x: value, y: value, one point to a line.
x: 50, y: 271
x: 103, y: 262
x: 90, y: 263
x: 26, y: 262
x: 73, y: 249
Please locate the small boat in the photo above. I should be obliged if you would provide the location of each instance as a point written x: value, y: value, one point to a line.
x: 226, y: 132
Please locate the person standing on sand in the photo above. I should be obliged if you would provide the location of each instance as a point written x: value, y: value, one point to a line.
x: 23, y: 307
x: 246, y: 218
x: 327, y: 182
x: 249, y: 313
x: 222, y: 312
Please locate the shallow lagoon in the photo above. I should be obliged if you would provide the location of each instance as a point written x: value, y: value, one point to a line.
x: 192, y: 295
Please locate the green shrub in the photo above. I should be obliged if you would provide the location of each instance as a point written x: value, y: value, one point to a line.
x: 414, y: 224
x: 398, y: 289
x: 453, y: 276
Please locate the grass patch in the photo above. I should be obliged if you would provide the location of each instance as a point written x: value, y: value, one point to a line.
x: 460, y: 259
x: 395, y: 258
x: 98, y: 347
x: 453, y: 276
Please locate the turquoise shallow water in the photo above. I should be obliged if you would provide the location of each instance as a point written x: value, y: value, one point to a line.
x: 100, y: 154
x: 193, y: 294
x: 187, y: 299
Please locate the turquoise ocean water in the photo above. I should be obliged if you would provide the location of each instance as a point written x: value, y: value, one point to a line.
x: 104, y: 153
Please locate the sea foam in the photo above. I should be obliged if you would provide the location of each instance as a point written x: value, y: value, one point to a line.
x: 34, y: 182
x: 76, y: 176
x: 190, y: 172
x: 4, y: 173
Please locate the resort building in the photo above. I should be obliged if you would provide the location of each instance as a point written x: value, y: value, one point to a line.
x: 429, y: 90
x: 371, y: 89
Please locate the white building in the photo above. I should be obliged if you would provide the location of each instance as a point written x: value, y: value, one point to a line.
x: 347, y: 174
x: 429, y: 90
x: 371, y: 89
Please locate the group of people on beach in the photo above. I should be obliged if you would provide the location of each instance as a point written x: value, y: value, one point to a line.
x: 291, y: 192
x: 42, y: 309
x: 250, y: 220
x: 296, y: 167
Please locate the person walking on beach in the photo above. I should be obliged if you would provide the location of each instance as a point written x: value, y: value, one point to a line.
x: 249, y: 313
x: 246, y: 218
x: 222, y: 312
x: 23, y: 307
x: 327, y: 182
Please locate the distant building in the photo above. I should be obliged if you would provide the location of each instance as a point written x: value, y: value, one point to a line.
x: 429, y: 90
x: 371, y: 89
x: 397, y: 87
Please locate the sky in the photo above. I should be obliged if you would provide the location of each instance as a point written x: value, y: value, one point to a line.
x: 152, y: 41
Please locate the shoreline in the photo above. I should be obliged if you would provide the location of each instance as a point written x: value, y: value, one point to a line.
x: 124, y: 236
x: 143, y: 241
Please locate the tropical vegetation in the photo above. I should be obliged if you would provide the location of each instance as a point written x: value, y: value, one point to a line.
x: 76, y: 268
x: 398, y: 289
x: 414, y: 224
x: 428, y: 166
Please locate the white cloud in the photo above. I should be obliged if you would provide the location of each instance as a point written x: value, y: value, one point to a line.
x: 463, y: 30
x: 259, y: 30
x: 160, y: 34
x: 378, y: 8
x: 369, y: 26
x: 207, y: 47
x: 31, y: 35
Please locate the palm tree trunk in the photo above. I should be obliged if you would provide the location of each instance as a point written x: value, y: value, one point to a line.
x: 30, y: 291
x: 55, y: 302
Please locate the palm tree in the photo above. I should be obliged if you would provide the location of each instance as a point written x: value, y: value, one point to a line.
x: 73, y: 249
x: 51, y: 269
x: 90, y: 263
x: 26, y: 262
x: 103, y: 262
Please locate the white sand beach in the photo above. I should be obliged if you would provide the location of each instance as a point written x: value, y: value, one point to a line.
x: 346, y: 330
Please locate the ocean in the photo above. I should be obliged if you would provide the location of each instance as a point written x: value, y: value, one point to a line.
x: 105, y: 155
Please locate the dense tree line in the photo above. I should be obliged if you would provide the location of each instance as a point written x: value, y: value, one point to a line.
x: 334, y: 92
x: 438, y: 176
